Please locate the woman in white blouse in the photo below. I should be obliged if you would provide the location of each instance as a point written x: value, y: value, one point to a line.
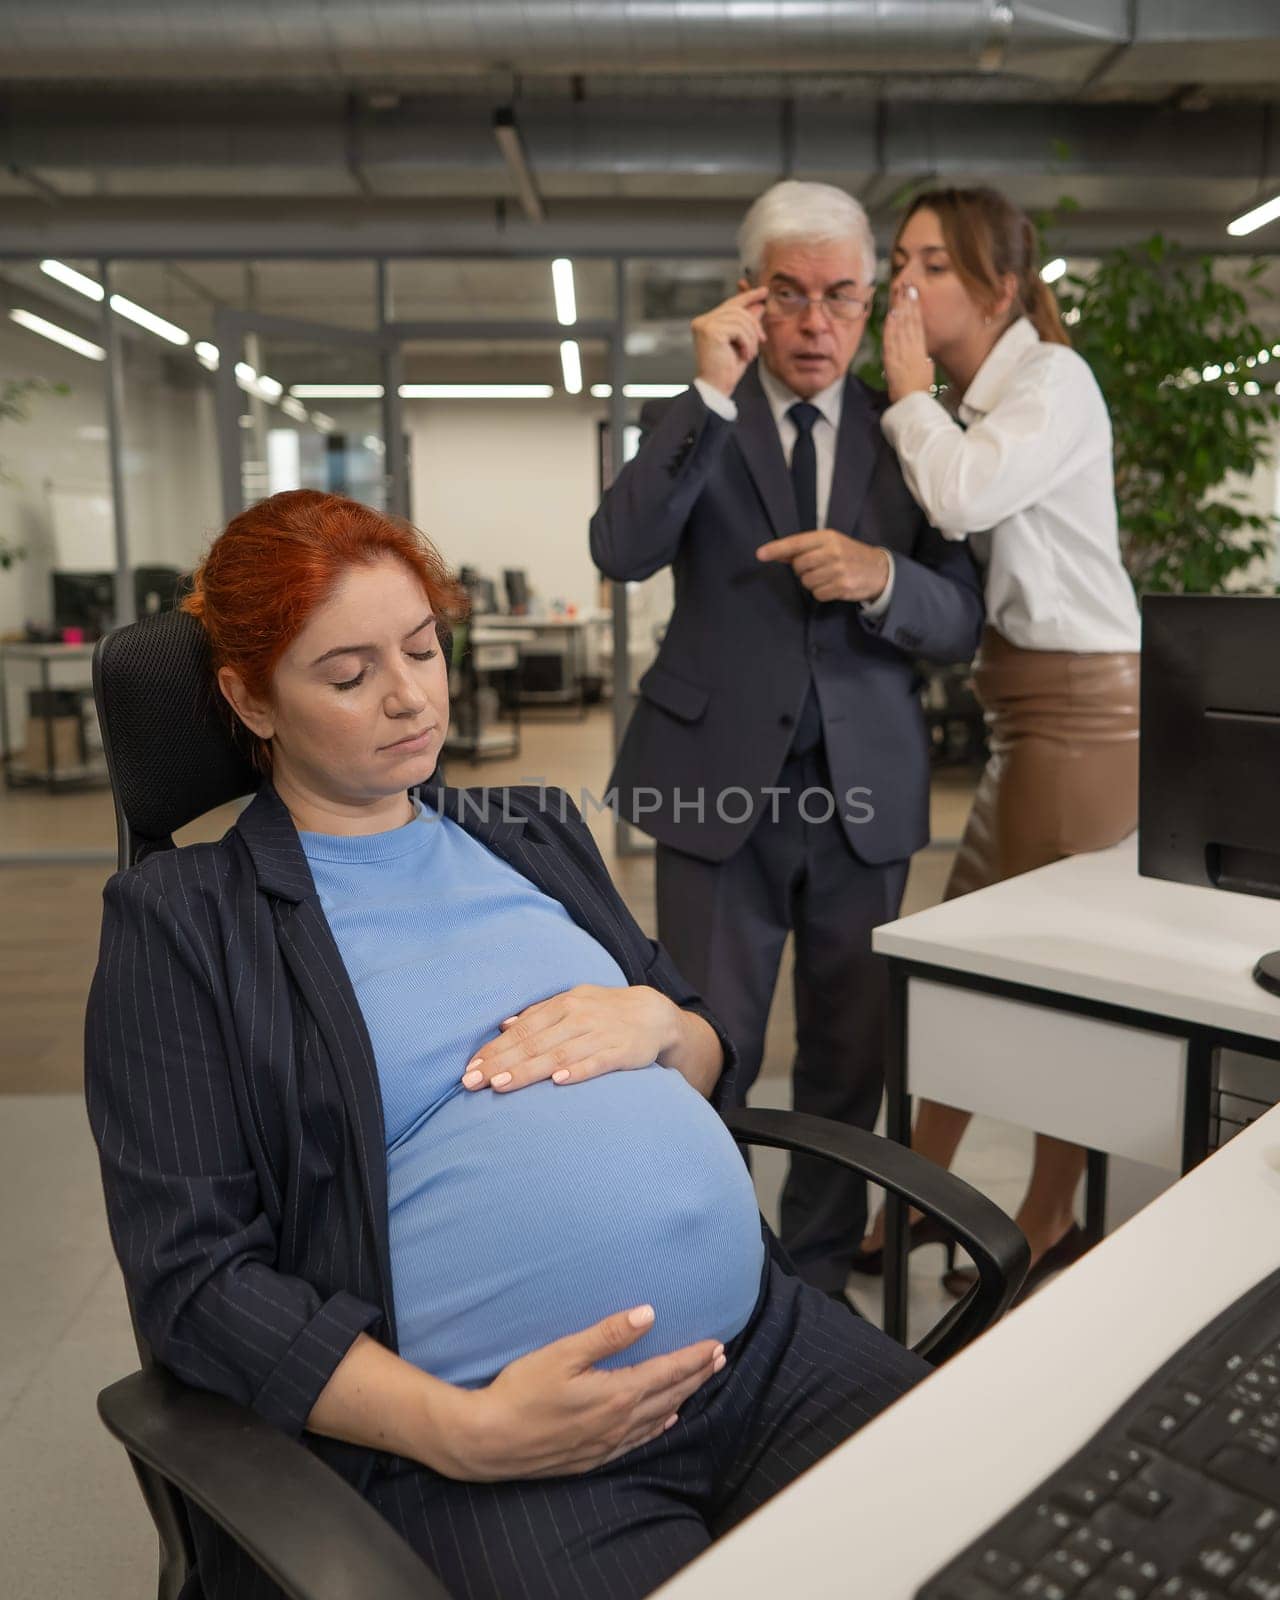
x: 1022, y: 467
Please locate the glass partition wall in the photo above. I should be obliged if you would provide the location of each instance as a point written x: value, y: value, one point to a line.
x: 146, y: 401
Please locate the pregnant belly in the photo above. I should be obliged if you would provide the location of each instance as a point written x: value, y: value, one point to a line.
x: 518, y: 1219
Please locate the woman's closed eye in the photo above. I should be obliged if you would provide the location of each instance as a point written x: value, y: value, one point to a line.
x: 354, y: 683
x: 932, y: 269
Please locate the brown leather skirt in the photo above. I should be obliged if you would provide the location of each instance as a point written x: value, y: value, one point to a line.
x: 1062, y: 776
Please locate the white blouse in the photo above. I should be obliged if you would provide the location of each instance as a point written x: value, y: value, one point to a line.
x: 1029, y: 478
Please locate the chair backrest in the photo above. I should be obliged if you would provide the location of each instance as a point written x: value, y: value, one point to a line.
x: 171, y: 758
x: 168, y: 743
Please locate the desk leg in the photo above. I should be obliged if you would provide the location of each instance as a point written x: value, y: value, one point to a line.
x: 1198, y: 1100
x: 6, y: 754
x: 46, y: 692
x: 1095, y: 1196
x: 898, y: 1128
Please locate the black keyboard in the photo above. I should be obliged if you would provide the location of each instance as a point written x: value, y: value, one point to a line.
x: 1176, y: 1497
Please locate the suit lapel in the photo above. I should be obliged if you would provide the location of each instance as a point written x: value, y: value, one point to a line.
x: 856, y: 446
x: 756, y: 436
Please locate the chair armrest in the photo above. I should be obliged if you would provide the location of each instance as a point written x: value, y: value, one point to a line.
x: 306, y: 1527
x: 998, y: 1247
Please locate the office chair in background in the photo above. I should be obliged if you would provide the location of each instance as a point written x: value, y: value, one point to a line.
x: 171, y: 759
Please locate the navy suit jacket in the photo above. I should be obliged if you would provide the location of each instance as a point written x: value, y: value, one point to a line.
x: 234, y: 1098
x: 718, y: 708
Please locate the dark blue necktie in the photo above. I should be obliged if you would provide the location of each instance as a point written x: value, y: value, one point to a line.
x: 804, y: 464
x: 804, y: 483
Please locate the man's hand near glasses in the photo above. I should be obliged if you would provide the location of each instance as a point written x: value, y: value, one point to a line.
x: 727, y: 340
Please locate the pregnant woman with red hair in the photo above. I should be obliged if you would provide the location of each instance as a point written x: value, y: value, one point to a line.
x: 408, y: 1133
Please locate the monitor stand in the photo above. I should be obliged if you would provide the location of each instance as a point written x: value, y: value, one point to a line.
x: 1267, y: 972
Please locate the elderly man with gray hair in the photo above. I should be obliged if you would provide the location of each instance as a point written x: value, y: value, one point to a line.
x: 778, y: 753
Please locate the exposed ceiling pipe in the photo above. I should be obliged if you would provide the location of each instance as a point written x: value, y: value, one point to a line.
x: 674, y: 138
x: 299, y: 41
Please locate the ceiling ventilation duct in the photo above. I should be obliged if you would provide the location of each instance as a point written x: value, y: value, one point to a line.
x: 385, y: 46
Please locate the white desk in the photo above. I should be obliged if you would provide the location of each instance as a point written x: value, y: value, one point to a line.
x: 1083, y: 1001
x: 573, y: 636
x: 913, y: 1488
x: 472, y: 734
x: 50, y: 773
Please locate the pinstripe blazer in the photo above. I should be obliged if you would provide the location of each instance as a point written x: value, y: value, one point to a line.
x: 233, y: 1094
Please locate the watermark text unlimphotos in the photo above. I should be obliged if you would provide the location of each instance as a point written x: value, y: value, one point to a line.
x: 733, y: 805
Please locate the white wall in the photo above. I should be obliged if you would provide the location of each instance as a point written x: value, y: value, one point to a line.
x: 1261, y: 495
x: 172, y: 494
x: 57, y: 460
x: 61, y: 445
x: 511, y: 483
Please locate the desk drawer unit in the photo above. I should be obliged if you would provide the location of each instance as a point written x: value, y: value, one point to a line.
x: 1101, y: 1084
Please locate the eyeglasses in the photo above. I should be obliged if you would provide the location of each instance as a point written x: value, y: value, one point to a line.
x: 842, y: 305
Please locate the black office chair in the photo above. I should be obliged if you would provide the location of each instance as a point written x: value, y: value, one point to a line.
x: 172, y: 758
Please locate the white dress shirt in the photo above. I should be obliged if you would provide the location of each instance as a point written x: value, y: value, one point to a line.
x: 1029, y: 477
x: 829, y: 403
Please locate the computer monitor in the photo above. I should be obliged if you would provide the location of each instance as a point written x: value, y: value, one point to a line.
x: 85, y: 600
x: 155, y: 589
x: 1209, y: 798
x: 516, y: 584
x: 480, y: 591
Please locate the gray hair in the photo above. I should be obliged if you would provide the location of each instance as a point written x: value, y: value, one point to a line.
x: 816, y: 212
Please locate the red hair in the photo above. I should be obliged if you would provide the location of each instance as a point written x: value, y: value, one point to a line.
x: 275, y: 564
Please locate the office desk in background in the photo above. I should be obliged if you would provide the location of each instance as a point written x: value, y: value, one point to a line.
x: 50, y: 765
x: 572, y: 639
x: 492, y: 656
x: 887, y: 1509
x: 1083, y: 1001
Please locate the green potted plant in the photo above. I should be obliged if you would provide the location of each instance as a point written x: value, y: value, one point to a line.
x: 1190, y: 381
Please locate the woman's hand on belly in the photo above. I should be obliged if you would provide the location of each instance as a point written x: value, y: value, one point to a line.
x: 554, y: 1412
x: 583, y: 1033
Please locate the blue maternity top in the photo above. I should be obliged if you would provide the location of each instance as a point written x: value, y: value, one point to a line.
x: 518, y: 1218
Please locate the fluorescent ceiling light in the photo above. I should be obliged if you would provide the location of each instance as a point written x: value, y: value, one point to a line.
x: 571, y: 366
x: 1257, y: 218
x: 511, y: 144
x: 92, y: 289
x: 640, y: 391
x: 1053, y: 270
x: 206, y: 354
x: 566, y: 298
x: 62, y: 336
x: 424, y: 391
x: 324, y: 423
x: 148, y: 320
x: 476, y: 391
x: 258, y: 383
x: 89, y: 287
x: 337, y: 391
x: 293, y: 408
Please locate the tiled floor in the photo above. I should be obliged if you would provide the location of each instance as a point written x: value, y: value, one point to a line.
x: 71, y: 1520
